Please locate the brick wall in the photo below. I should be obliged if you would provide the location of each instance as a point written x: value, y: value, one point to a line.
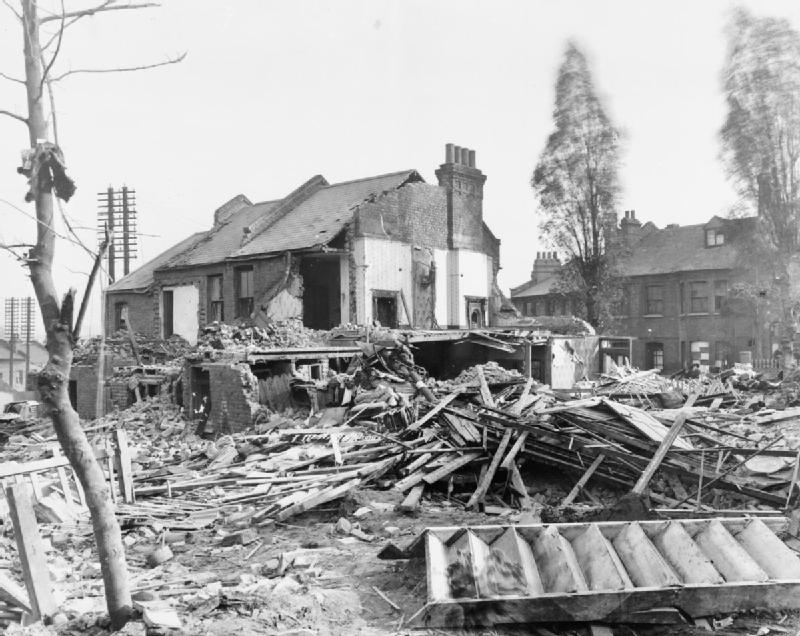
x: 674, y: 326
x: 140, y: 312
x: 230, y: 385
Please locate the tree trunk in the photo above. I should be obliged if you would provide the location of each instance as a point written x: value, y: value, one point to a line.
x: 54, y: 378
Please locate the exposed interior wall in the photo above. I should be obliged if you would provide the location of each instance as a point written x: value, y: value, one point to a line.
x: 384, y: 266
x: 469, y: 274
x: 185, y: 304
x: 440, y: 257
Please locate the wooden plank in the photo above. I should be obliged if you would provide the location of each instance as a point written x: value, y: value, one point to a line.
x: 12, y: 592
x: 660, y: 454
x: 430, y: 414
x: 519, y: 487
x: 63, y: 479
x: 486, y: 394
x: 486, y: 480
x: 124, y: 465
x: 582, y: 481
x: 110, y: 470
x: 337, y: 450
x: 315, y: 499
x: 31, y: 552
x: 512, y: 454
x: 522, y: 402
x: 450, y: 467
x: 411, y: 502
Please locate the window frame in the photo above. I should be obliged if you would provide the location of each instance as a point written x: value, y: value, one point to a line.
x: 719, y: 299
x: 702, y: 300
x: 244, y: 304
x: 214, y: 303
x: 653, y: 306
x: 715, y: 237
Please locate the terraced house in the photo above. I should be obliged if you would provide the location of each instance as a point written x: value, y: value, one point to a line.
x: 389, y: 248
x: 677, y: 300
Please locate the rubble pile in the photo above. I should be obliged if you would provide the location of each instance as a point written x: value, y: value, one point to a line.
x: 123, y: 345
x: 277, y: 335
x: 493, y: 372
x: 480, y: 444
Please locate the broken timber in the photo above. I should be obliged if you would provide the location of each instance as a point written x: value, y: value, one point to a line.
x: 607, y: 572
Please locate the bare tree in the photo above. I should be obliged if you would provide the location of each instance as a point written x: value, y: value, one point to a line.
x: 576, y: 183
x: 47, y: 176
x: 761, y: 153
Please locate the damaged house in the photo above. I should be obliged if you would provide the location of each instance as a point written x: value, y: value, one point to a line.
x: 391, y: 249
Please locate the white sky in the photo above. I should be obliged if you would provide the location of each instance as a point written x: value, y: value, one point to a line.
x: 272, y: 93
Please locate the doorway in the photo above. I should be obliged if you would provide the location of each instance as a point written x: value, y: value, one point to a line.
x: 654, y: 355
x: 321, y: 292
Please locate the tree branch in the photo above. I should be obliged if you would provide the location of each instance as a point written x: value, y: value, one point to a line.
x: 13, y: 10
x: 14, y: 116
x: 9, y: 248
x: 123, y: 69
x: 47, y: 67
x: 12, y: 79
x: 105, y: 6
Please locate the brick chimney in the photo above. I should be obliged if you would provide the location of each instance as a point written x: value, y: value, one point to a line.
x: 547, y: 264
x: 463, y: 183
x: 631, y: 228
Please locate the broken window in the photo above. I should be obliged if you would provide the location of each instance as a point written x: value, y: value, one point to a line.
x: 654, y: 300
x: 216, y: 306
x: 698, y: 297
x: 714, y: 238
x: 720, y: 294
x: 244, y: 292
x: 120, y: 316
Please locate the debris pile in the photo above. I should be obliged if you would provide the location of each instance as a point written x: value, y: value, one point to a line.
x: 123, y: 345
x: 277, y: 335
x: 482, y: 443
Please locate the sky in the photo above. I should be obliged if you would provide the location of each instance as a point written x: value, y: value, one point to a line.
x: 271, y: 93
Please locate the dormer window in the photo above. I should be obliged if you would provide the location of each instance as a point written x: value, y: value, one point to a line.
x: 714, y: 237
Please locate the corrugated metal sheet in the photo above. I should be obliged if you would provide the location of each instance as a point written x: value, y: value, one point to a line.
x: 611, y: 571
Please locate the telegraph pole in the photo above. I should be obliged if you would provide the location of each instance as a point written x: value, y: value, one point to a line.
x: 117, y: 214
x: 28, y: 328
x: 126, y: 237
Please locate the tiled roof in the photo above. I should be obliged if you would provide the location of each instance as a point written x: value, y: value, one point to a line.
x: 223, y: 240
x: 683, y: 249
x: 141, y: 278
x: 315, y: 220
x: 539, y: 288
x: 320, y: 217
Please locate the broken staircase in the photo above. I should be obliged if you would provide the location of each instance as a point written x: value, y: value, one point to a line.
x: 608, y: 572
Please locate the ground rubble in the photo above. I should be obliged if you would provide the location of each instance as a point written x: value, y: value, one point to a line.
x: 277, y: 529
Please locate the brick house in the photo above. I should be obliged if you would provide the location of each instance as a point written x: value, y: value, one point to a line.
x: 390, y: 248
x: 676, y: 301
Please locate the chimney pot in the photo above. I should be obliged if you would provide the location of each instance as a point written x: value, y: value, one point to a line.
x: 633, y: 214
x: 448, y: 153
x: 471, y: 158
x: 456, y: 154
x: 465, y: 156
